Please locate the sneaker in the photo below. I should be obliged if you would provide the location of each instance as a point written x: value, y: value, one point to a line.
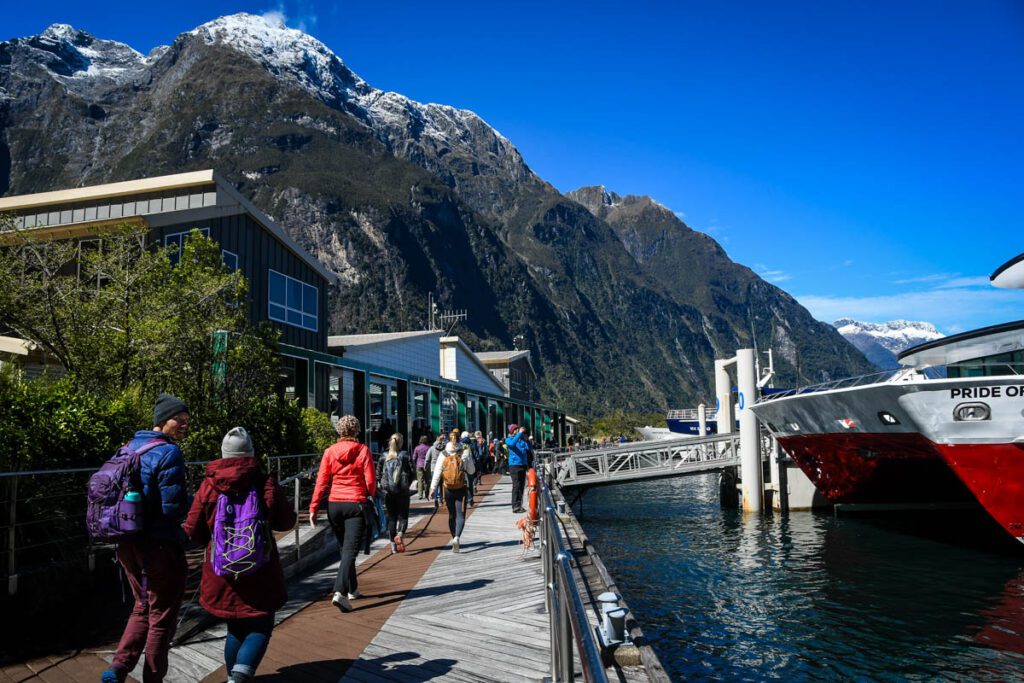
x: 393, y: 549
x: 355, y: 596
x: 455, y: 545
x: 341, y: 602
x: 110, y: 676
x: 399, y: 544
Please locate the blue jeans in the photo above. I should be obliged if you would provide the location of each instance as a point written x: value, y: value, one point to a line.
x: 247, y: 643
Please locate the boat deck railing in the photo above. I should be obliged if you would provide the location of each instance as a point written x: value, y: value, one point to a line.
x: 843, y: 383
x: 690, y: 414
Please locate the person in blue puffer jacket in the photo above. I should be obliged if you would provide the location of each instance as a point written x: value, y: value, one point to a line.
x: 518, y: 461
x: 154, y: 561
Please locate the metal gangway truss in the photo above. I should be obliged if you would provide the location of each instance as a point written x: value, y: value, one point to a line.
x: 646, y: 460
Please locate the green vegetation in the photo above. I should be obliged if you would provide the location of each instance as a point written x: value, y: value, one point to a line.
x: 620, y: 423
x: 126, y: 324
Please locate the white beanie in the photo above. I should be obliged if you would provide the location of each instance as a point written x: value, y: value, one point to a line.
x: 450, y: 447
x: 236, y: 444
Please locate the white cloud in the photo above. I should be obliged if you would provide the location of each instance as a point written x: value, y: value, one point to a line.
x: 979, y: 281
x: 303, y: 19
x: 934, y: 277
x: 948, y: 308
x: 771, y: 274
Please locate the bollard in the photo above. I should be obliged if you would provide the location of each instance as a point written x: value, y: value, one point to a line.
x: 561, y: 507
x: 613, y: 619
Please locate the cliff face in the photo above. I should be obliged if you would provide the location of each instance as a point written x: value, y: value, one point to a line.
x: 622, y: 305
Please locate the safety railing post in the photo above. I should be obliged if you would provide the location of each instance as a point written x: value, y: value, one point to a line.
x: 298, y: 492
x: 12, y: 540
x: 564, y: 625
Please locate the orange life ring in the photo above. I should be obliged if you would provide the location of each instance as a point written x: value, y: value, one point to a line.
x: 531, y: 483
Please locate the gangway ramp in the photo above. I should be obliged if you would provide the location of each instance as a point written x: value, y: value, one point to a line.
x: 646, y: 460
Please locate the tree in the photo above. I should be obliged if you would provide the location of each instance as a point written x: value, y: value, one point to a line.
x: 118, y: 315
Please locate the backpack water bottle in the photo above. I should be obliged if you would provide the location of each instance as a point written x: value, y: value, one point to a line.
x: 114, y: 503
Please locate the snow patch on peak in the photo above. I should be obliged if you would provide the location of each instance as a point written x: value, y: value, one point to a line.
x: 894, y: 336
x: 284, y: 51
x: 72, y: 53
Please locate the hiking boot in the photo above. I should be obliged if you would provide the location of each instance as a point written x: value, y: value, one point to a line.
x: 455, y: 545
x: 341, y: 602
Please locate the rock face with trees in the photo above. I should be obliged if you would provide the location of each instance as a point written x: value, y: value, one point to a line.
x: 621, y: 306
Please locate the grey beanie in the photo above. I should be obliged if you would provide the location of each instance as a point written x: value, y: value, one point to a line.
x: 236, y: 444
x: 166, y: 407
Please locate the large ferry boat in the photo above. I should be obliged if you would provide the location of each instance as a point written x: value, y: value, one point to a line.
x: 947, y: 427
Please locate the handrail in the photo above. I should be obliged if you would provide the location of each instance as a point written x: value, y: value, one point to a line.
x: 60, y: 492
x: 841, y: 383
x: 567, y: 615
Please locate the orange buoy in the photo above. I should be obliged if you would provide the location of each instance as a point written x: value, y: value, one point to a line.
x: 531, y: 484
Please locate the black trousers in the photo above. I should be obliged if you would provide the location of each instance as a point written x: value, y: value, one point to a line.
x: 349, y: 526
x: 518, y: 474
x: 455, y: 500
x: 396, y: 505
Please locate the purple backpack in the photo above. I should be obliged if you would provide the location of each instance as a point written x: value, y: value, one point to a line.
x: 114, y: 503
x: 241, y: 538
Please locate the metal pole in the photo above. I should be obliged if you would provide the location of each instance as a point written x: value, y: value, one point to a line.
x: 298, y: 491
x: 12, y: 570
x: 723, y: 394
x: 564, y: 625
x: 750, y: 433
x: 702, y: 419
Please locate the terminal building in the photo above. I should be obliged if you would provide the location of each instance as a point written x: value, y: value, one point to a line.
x: 412, y: 382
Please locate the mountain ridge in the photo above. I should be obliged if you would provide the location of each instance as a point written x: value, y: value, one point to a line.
x: 401, y: 199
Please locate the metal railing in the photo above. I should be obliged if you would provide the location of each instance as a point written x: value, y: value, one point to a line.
x: 646, y: 459
x: 690, y: 414
x: 842, y: 383
x: 42, y: 513
x: 567, y: 615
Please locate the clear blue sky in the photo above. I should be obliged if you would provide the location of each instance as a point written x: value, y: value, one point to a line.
x: 864, y: 155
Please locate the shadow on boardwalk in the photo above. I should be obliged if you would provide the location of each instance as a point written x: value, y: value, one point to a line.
x: 388, y: 667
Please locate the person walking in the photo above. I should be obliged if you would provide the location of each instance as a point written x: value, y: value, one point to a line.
x: 434, y: 457
x: 396, y: 481
x: 464, y: 443
x: 154, y: 561
x: 518, y: 460
x: 347, y: 469
x: 453, y: 473
x: 419, y: 459
x: 248, y: 601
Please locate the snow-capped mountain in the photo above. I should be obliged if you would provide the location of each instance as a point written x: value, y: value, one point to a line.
x: 403, y: 199
x: 881, y: 342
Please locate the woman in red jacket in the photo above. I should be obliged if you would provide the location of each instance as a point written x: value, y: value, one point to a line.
x: 247, y: 602
x: 347, y: 468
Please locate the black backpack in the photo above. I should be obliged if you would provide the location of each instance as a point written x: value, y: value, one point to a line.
x: 396, y: 474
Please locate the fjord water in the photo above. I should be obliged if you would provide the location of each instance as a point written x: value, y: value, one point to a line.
x: 807, y: 596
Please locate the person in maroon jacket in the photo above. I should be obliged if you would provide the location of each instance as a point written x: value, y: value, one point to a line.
x: 347, y: 470
x: 247, y: 602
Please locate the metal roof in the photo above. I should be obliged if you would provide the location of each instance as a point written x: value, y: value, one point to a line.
x: 349, y: 340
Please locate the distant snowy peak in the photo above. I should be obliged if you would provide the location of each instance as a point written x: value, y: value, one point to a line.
x: 896, y: 335
x: 71, y: 53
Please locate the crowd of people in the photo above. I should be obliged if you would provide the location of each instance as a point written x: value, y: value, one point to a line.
x: 238, y: 506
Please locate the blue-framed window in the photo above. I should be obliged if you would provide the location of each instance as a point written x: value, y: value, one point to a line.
x: 291, y: 301
x: 230, y: 260
x: 177, y: 239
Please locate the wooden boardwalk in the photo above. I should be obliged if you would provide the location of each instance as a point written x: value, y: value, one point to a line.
x: 427, y: 614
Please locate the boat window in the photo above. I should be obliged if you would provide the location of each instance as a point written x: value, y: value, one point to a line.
x: 989, y: 366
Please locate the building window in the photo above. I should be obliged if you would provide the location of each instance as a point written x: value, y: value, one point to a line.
x: 230, y: 260
x: 84, y: 247
x: 176, y: 240
x: 291, y: 301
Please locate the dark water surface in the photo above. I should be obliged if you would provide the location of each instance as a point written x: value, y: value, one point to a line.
x: 807, y: 596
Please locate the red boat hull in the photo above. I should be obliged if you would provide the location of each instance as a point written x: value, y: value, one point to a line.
x: 858, y: 467
x: 994, y: 473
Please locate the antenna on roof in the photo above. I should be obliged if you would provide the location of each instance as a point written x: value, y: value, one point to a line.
x: 443, y: 320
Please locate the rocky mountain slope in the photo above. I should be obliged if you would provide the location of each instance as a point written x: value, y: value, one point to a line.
x: 881, y: 342
x: 622, y: 307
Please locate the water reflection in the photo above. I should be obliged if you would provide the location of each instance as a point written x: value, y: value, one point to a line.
x: 808, y: 596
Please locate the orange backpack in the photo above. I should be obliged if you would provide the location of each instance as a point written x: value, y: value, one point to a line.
x: 452, y: 474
